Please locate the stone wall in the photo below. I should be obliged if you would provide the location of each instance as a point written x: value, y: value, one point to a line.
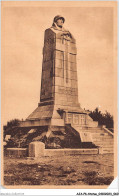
x: 16, y: 152
x: 60, y: 152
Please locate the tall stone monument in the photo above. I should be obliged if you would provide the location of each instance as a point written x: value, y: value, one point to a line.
x: 59, y: 106
x: 59, y: 87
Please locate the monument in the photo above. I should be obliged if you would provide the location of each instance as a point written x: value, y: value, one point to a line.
x: 59, y: 112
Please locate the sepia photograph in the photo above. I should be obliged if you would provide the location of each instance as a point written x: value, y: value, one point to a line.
x: 58, y: 94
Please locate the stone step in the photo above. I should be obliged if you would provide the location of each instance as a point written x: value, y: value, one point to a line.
x: 108, y: 147
x: 101, y: 136
x: 96, y: 128
x: 89, y: 130
x: 99, y: 140
x: 104, y: 146
x: 102, y: 139
x: 103, y: 143
x: 108, y: 151
x: 92, y: 131
x: 100, y: 144
x: 96, y: 134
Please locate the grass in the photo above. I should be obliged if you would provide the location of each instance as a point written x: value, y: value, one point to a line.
x: 65, y: 170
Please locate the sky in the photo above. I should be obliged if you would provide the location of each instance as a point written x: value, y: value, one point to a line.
x: 22, y: 43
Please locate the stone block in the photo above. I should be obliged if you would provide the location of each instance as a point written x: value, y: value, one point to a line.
x: 66, y: 65
x: 72, y: 99
x: 100, y: 150
x: 60, y: 96
x: 72, y: 49
x: 49, y: 34
x: 61, y: 103
x: 46, y: 96
x: 56, y: 128
x: 68, y: 91
x: 58, y: 35
x: 47, y: 55
x: 47, y: 88
x: 59, y: 81
x: 48, y: 46
x: 85, y: 137
x: 65, y: 46
x: 74, y: 91
x: 60, y: 89
x: 57, y: 122
x: 60, y: 46
x: 66, y: 55
x: 73, y: 75
x: 36, y: 149
x: 49, y: 42
x: 47, y: 65
x: 66, y: 74
x: 92, y: 124
x: 72, y: 58
x: 59, y: 72
x: 47, y: 82
x: 59, y: 40
x: 74, y: 83
x: 59, y: 55
x: 72, y: 44
x: 46, y: 74
x: 59, y: 63
x: 16, y: 152
x: 72, y: 66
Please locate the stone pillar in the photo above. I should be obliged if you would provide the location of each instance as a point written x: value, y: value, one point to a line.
x: 36, y: 149
x: 59, y: 72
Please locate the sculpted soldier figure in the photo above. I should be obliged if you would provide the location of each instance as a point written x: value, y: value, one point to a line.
x: 58, y: 25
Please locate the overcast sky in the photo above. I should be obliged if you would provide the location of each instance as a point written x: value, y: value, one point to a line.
x: 22, y: 42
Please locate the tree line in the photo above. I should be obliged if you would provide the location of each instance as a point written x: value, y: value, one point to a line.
x: 102, y: 118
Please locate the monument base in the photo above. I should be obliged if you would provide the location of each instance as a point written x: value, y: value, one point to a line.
x: 66, y: 126
x: 59, y: 129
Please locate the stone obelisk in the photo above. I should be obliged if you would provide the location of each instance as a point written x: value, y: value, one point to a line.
x: 59, y: 87
x: 58, y: 104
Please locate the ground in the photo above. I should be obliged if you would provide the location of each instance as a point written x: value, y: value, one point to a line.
x: 65, y: 170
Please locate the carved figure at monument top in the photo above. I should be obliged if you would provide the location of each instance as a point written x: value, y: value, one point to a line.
x: 58, y: 25
x: 59, y: 21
